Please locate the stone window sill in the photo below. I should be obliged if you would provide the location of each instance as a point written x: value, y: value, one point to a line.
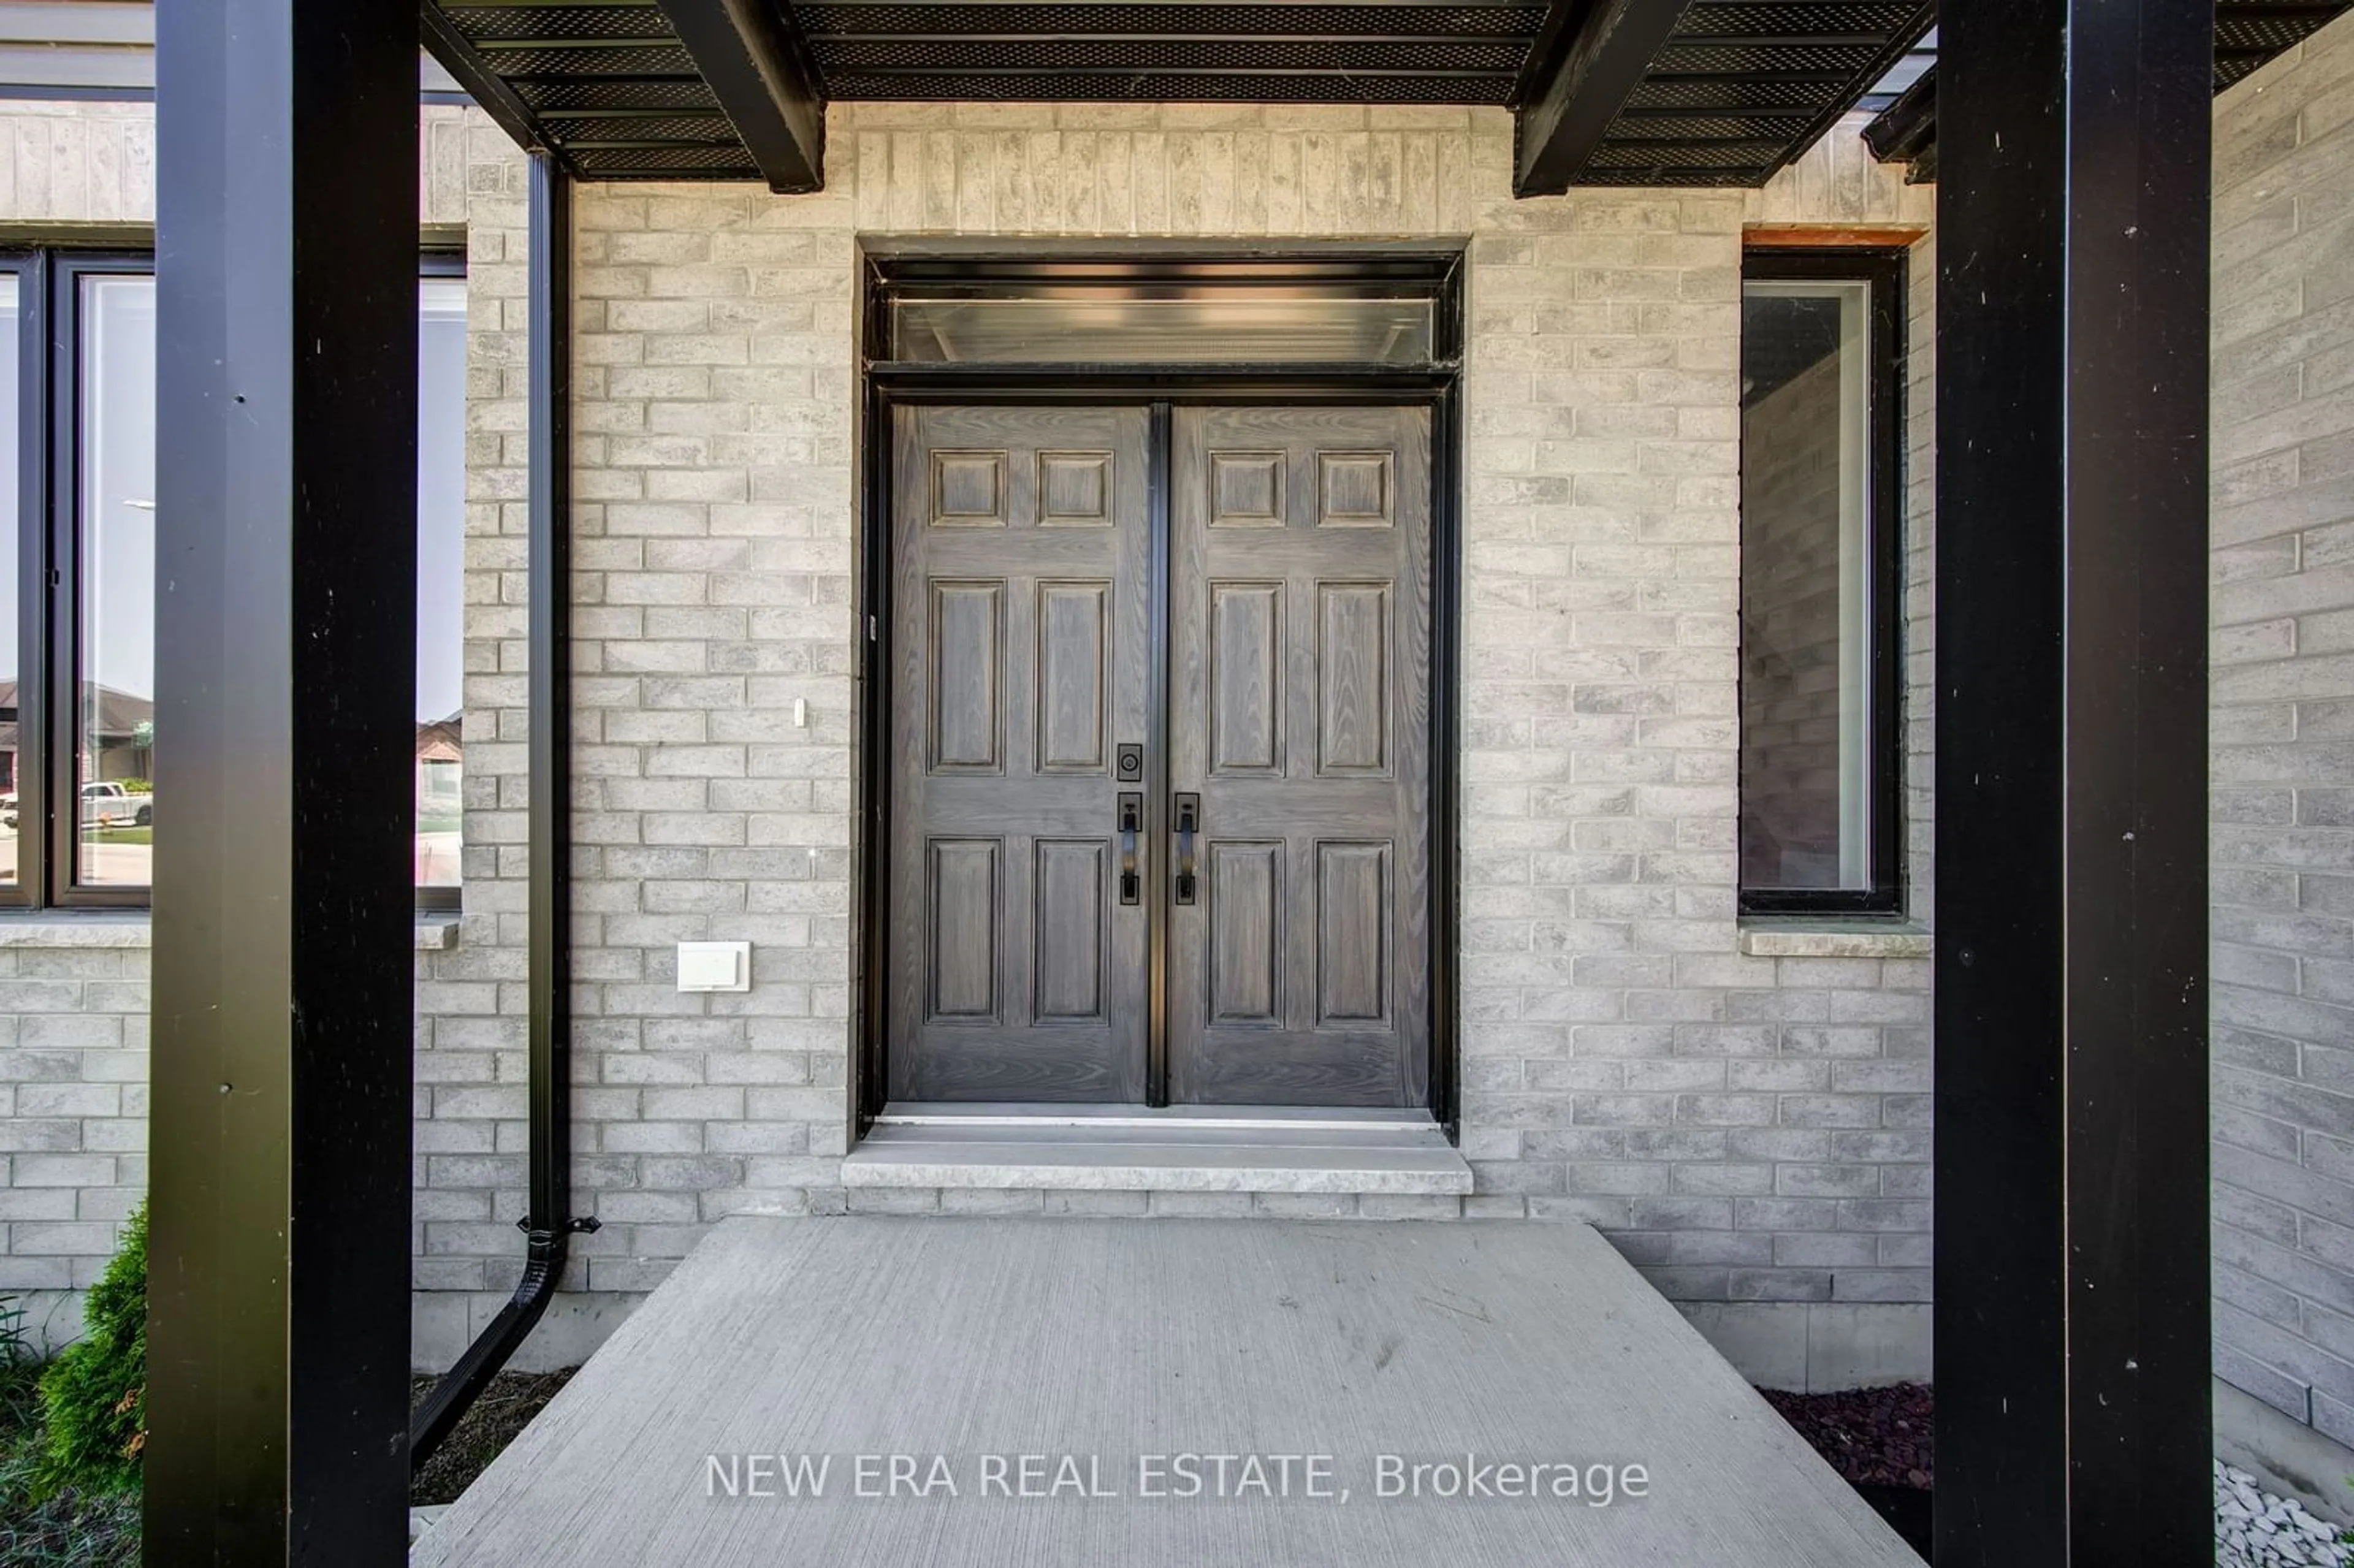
x: 55, y: 929
x: 130, y: 929
x: 1814, y: 938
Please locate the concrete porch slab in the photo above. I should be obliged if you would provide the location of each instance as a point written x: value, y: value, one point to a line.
x: 1121, y: 1344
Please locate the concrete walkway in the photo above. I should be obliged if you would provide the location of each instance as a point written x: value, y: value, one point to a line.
x: 1080, y: 1360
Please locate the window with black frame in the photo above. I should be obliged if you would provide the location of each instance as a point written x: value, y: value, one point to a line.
x: 1821, y: 581
x: 79, y: 732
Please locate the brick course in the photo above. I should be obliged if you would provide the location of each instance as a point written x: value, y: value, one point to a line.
x: 1752, y: 1130
x: 2283, y: 734
x: 1624, y: 1062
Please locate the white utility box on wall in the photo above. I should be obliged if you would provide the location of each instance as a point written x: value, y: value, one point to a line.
x: 715, y: 966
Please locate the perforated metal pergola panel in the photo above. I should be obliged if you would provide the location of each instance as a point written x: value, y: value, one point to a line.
x: 2247, y: 34
x: 1734, y: 91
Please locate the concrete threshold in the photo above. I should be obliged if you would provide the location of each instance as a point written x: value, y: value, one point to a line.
x: 1304, y: 1152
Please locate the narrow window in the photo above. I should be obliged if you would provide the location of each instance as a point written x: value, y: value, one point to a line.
x: 114, y: 547
x: 440, y: 585
x: 12, y: 709
x: 1820, y: 580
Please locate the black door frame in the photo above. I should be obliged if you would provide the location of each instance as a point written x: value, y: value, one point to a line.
x: 1159, y: 388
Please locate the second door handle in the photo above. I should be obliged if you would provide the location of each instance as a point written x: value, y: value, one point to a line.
x: 1189, y: 827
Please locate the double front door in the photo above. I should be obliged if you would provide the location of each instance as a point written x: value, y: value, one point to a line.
x: 1160, y: 819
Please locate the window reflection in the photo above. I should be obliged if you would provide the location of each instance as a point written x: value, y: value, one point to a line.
x: 114, y: 804
x: 1201, y: 323
x: 10, y: 544
x: 1807, y: 798
x: 441, y: 578
x: 114, y: 703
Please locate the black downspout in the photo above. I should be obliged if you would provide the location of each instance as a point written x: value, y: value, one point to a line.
x: 548, y: 1223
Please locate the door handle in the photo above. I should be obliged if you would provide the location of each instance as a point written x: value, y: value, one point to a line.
x: 1131, y: 822
x: 1188, y: 826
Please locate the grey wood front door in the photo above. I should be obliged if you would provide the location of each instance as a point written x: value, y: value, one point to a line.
x: 1299, y: 710
x: 1280, y: 704
x: 1021, y: 636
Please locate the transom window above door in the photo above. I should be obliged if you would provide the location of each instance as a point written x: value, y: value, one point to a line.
x: 1394, y: 310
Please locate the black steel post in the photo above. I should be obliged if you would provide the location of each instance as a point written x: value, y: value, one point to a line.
x: 286, y: 434
x: 548, y: 1223
x: 2072, y: 1269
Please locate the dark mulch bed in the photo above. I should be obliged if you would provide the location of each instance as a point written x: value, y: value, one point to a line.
x: 505, y: 1407
x: 1879, y: 1439
x: 1874, y: 1436
x: 69, y: 1529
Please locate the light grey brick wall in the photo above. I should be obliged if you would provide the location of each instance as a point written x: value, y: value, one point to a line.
x: 1750, y: 1127
x: 2283, y: 734
x: 73, y: 1108
x: 82, y: 161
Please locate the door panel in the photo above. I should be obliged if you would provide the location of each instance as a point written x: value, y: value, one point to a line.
x: 968, y: 704
x: 1299, y: 710
x: 1021, y: 629
x: 1245, y: 679
x: 1246, y: 902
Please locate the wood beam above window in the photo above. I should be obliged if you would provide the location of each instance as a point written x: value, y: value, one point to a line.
x: 1834, y: 236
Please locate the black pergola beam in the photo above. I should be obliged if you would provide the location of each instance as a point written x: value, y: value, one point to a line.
x: 2071, y: 1315
x: 286, y: 454
x: 752, y: 55
x: 1906, y: 131
x: 1582, y: 70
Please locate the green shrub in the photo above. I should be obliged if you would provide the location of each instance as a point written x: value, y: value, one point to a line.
x: 94, y: 1394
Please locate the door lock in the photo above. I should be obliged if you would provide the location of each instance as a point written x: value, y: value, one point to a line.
x: 1128, y: 763
x: 1131, y: 822
x: 1189, y: 827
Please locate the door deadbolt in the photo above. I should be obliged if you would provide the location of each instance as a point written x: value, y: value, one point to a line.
x: 1128, y: 763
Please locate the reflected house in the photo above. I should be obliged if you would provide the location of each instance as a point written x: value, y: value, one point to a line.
x: 440, y: 775
x: 119, y: 735
x: 441, y: 756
